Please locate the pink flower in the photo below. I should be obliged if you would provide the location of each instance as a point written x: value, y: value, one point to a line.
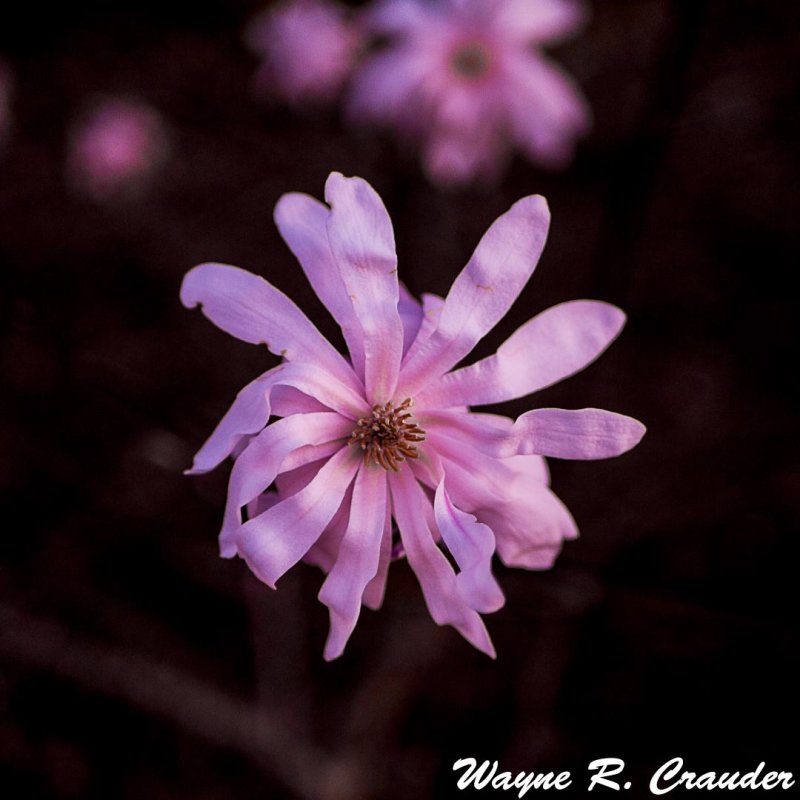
x: 116, y: 149
x: 466, y: 81
x: 387, y: 435
x: 308, y: 50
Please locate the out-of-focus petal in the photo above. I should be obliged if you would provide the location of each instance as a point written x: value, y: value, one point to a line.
x: 258, y: 465
x: 548, y: 348
x: 540, y: 22
x: 362, y: 242
x: 357, y: 559
x: 251, y: 309
x: 484, y: 291
x: 436, y: 577
x: 302, y: 222
x: 546, y: 109
x: 276, y: 540
x: 472, y: 545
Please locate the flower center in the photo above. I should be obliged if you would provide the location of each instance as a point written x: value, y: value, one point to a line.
x: 470, y: 60
x: 388, y: 434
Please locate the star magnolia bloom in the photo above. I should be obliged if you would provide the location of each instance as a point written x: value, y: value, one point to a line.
x: 308, y: 49
x: 466, y: 81
x: 388, y: 434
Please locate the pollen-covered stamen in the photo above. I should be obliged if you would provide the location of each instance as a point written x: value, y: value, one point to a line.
x: 387, y: 436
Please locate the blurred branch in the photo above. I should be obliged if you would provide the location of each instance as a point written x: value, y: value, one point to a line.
x: 197, y: 707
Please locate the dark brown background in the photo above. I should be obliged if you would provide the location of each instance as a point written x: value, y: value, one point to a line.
x: 136, y: 664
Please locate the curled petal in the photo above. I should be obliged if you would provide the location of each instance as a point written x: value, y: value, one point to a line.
x: 258, y: 465
x: 302, y: 221
x: 472, y: 545
x: 251, y: 309
x: 276, y: 540
x: 362, y: 242
x: 357, y: 559
x: 548, y: 348
x: 436, y: 577
x: 484, y: 291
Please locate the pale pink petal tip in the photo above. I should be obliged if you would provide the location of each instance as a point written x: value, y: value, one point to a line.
x: 336, y: 458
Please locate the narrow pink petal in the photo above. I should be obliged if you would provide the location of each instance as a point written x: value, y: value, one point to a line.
x: 357, y: 559
x: 248, y: 307
x: 286, y: 400
x: 548, y: 348
x: 484, y: 291
x: 302, y: 222
x: 276, y: 540
x: 436, y: 577
x: 472, y: 545
x: 585, y: 434
x: 375, y: 589
x: 258, y: 465
x: 362, y: 241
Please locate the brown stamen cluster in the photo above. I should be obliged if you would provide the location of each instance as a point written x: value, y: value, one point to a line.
x: 387, y: 436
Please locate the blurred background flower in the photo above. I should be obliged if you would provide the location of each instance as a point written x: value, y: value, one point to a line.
x: 308, y: 50
x: 466, y: 81
x: 115, y: 149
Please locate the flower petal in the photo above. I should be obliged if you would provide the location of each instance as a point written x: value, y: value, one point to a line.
x: 251, y: 409
x: 323, y: 552
x: 362, y: 242
x: 276, y: 540
x: 248, y: 307
x: 302, y: 222
x: 472, y: 545
x: 410, y: 311
x: 548, y: 348
x: 375, y: 589
x: 584, y: 434
x: 542, y: 22
x: 357, y: 559
x: 484, y: 291
x: 436, y: 577
x: 528, y: 521
x: 258, y: 465
x: 247, y: 415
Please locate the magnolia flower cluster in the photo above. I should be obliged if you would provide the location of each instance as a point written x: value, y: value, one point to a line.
x: 349, y: 462
x: 464, y: 81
